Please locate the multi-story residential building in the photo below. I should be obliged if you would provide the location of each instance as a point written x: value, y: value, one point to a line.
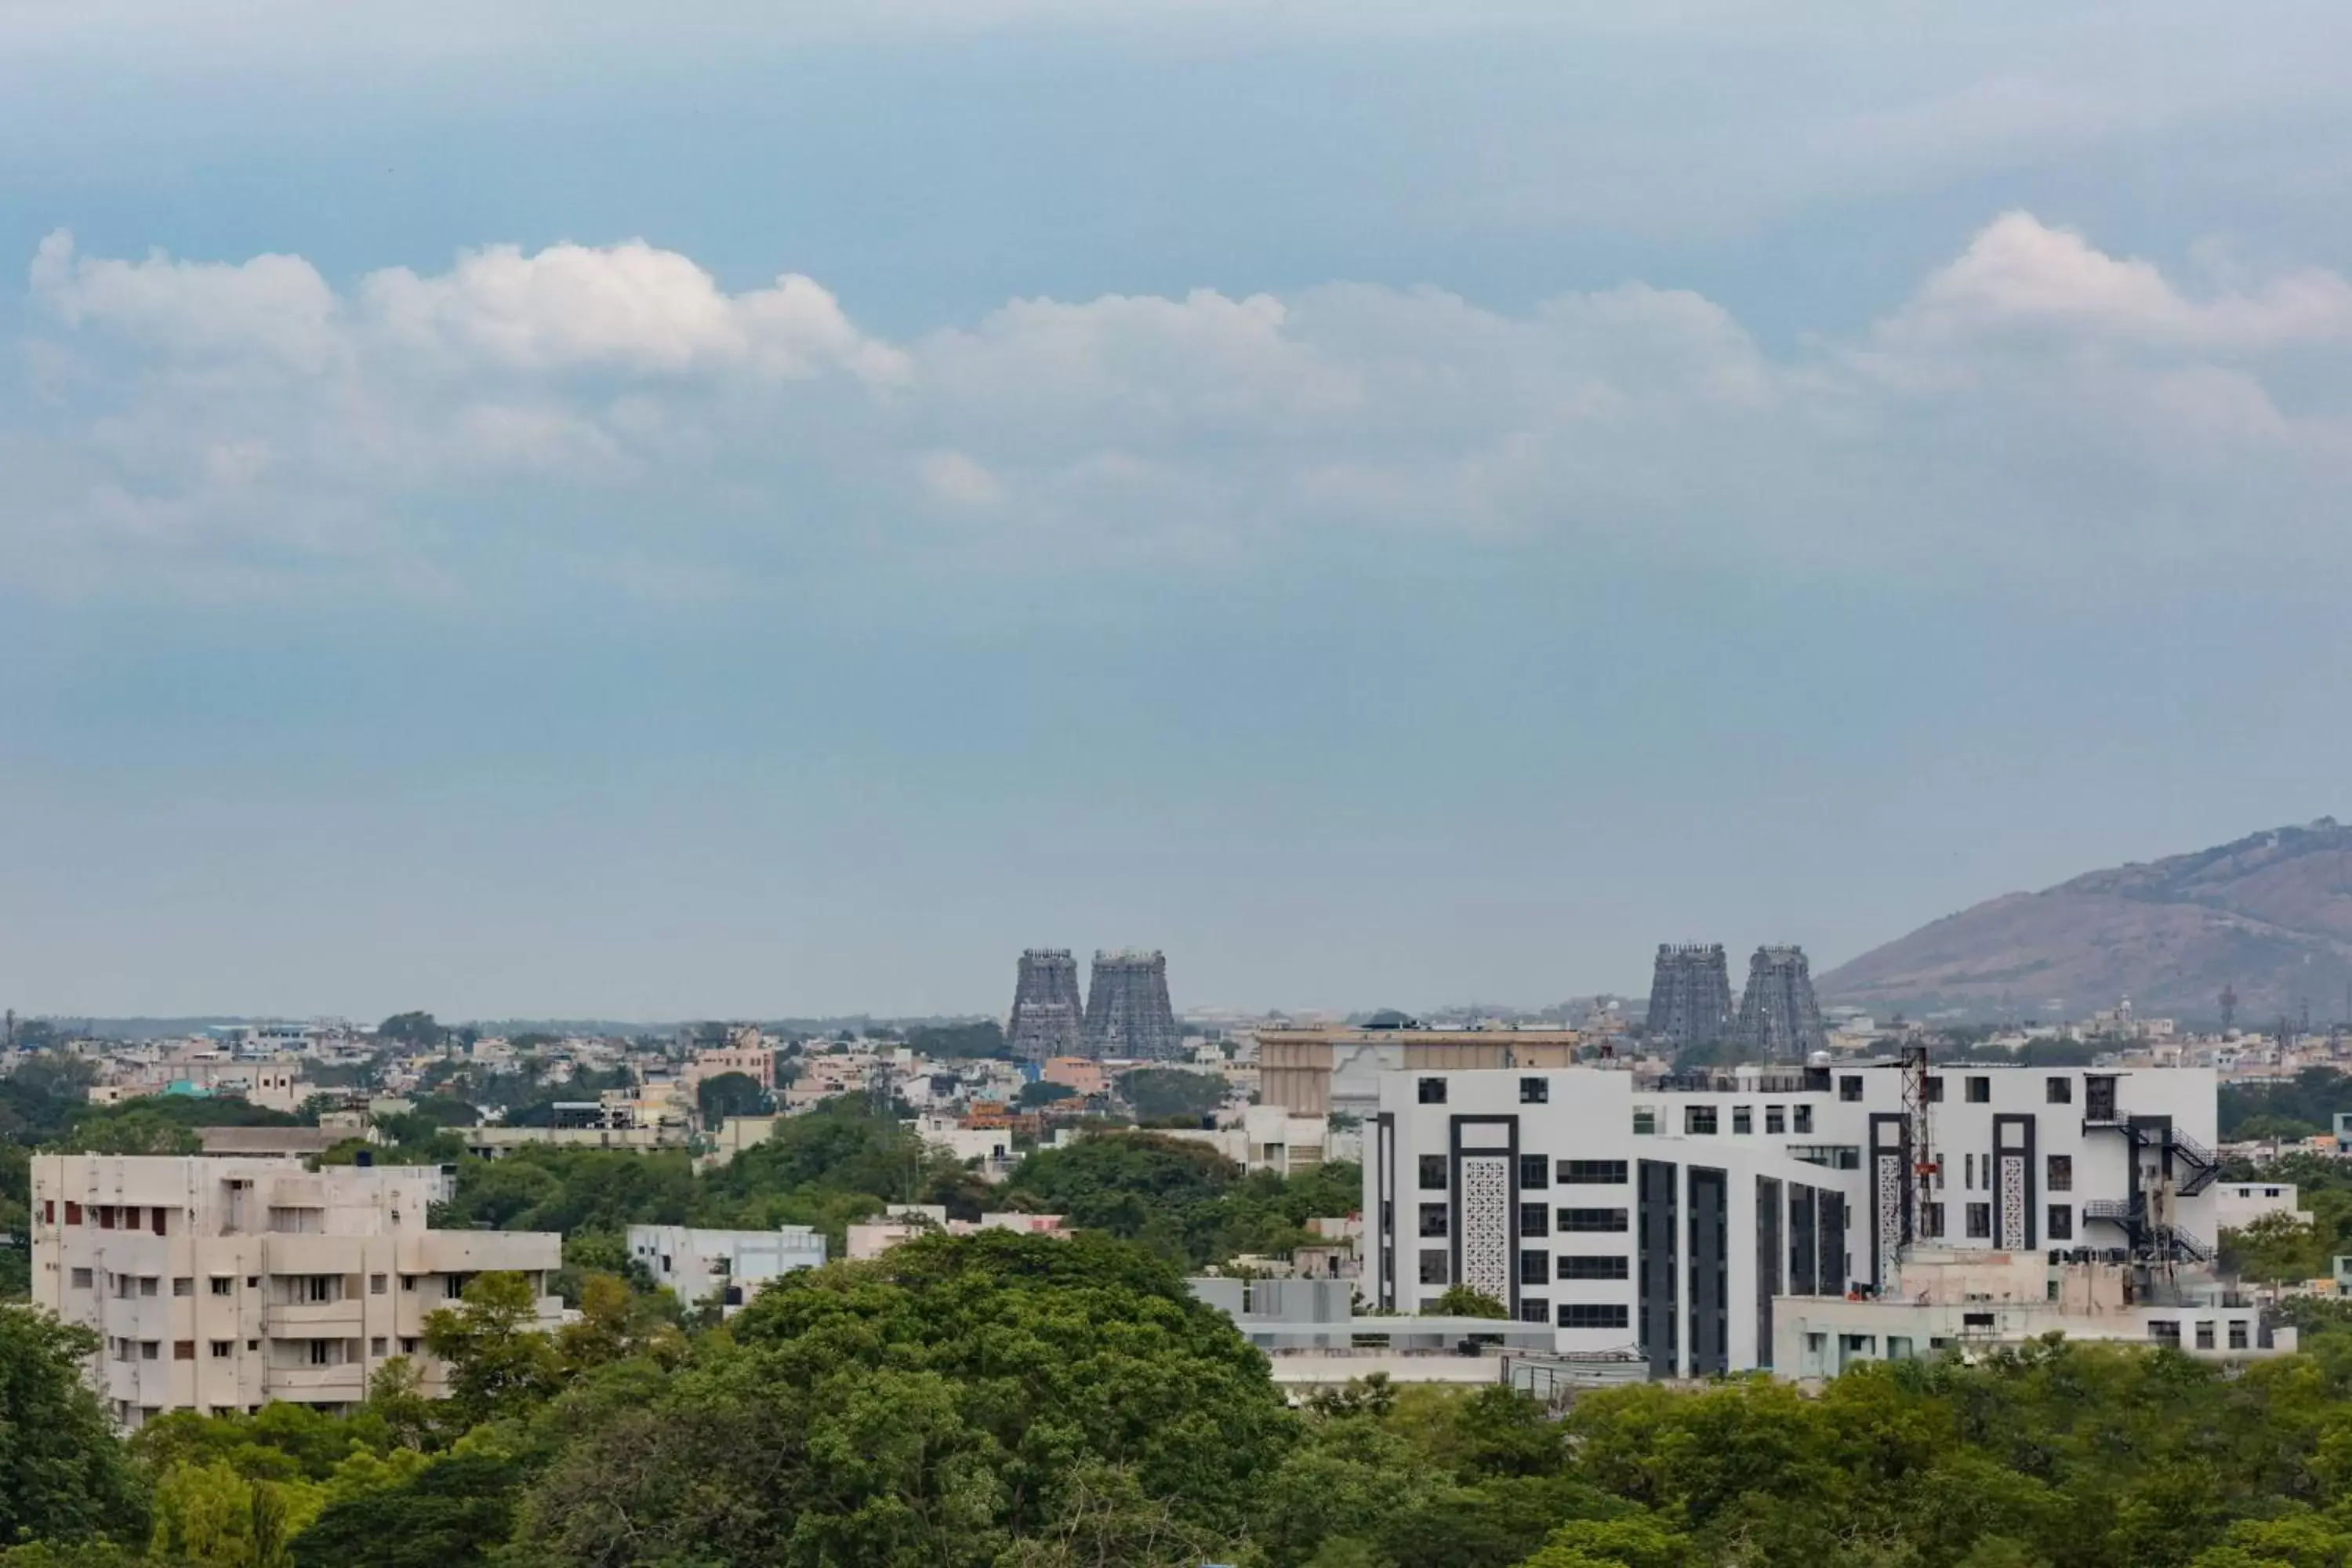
x: 727, y: 1266
x: 1672, y: 1213
x: 223, y: 1284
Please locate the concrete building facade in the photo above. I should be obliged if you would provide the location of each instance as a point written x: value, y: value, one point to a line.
x: 723, y: 1267
x: 220, y: 1285
x: 1673, y: 1212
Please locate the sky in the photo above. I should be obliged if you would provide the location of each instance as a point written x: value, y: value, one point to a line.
x: 763, y: 510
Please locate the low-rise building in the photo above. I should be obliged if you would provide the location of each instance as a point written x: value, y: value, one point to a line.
x: 903, y: 1222
x: 727, y: 1266
x: 218, y: 1285
x: 2237, y: 1204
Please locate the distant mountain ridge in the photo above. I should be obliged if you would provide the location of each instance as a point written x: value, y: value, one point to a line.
x: 2269, y: 916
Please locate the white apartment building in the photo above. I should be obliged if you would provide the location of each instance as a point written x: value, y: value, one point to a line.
x: 223, y: 1284
x: 2237, y: 1205
x: 1674, y: 1213
x: 725, y: 1266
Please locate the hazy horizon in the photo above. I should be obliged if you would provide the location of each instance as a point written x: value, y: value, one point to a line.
x: 1390, y: 504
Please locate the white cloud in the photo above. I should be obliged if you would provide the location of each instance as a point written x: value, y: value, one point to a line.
x: 2038, y: 410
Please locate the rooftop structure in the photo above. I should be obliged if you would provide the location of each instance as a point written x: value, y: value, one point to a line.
x: 1321, y: 1071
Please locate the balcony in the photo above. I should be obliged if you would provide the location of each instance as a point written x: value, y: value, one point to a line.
x: 312, y: 1320
x: 348, y: 1381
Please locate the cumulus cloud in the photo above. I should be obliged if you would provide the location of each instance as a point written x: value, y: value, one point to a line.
x: 2037, y: 406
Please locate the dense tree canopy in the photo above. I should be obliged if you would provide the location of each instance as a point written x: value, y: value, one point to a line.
x: 62, y: 1477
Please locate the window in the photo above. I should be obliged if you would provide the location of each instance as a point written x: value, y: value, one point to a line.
x: 1935, y: 1091
x: 378, y: 1345
x: 1850, y: 1086
x: 73, y: 1212
x: 224, y: 1284
x: 375, y: 1284
x: 155, y: 1220
x: 150, y: 1285
x: 183, y: 1349
x: 1433, y: 1173
x: 1976, y: 1321
x: 1743, y: 1119
x: 1804, y: 1118
x: 1775, y: 1120
x: 253, y: 1344
x: 253, y: 1281
x: 1534, y: 1092
x: 106, y: 1217
x: 2237, y: 1333
x: 1592, y: 1172
x: 2166, y: 1332
x: 1535, y: 1268
x: 2058, y: 1090
x: 408, y: 1346
x: 2062, y: 1222
x: 1571, y: 1220
x: 2270, y: 1192
x: 184, y: 1286
x: 2059, y: 1174
x: 1931, y: 1220
x: 408, y: 1281
x: 1968, y: 1169
x: 1432, y: 1219
x: 1698, y: 1121
x: 223, y: 1349
x: 151, y: 1349
x: 322, y: 1353
x: 1535, y: 1219
x: 81, y: 1279
x: 1534, y: 1310
x: 1535, y: 1172
x: 1592, y: 1315
x: 1979, y: 1220
x: 1432, y: 1091
x: 1573, y: 1266
x: 2205, y: 1333
x: 1435, y: 1263
x: 1645, y: 1122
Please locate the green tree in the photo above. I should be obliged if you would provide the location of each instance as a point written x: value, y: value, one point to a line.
x: 1467, y: 1301
x: 1166, y: 1093
x: 501, y: 1362
x: 938, y: 1406
x: 63, y: 1477
x: 1042, y: 1093
x: 455, y: 1509
x: 730, y: 1094
x: 417, y: 1031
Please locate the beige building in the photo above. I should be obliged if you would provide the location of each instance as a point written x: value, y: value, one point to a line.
x: 224, y: 1284
x: 1316, y: 1071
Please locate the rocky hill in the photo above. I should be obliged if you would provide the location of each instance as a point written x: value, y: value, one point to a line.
x: 2270, y: 916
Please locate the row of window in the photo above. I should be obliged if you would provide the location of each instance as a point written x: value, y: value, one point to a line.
x: 1575, y: 1314
x: 2166, y: 1332
x: 1975, y: 1087
x: 1537, y: 1219
x: 1705, y: 1120
x: 2058, y: 1221
x: 299, y: 1288
x: 1535, y: 1172
x: 322, y: 1353
x: 110, y: 1216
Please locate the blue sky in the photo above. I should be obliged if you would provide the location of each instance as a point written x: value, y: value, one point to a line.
x: 757, y: 512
